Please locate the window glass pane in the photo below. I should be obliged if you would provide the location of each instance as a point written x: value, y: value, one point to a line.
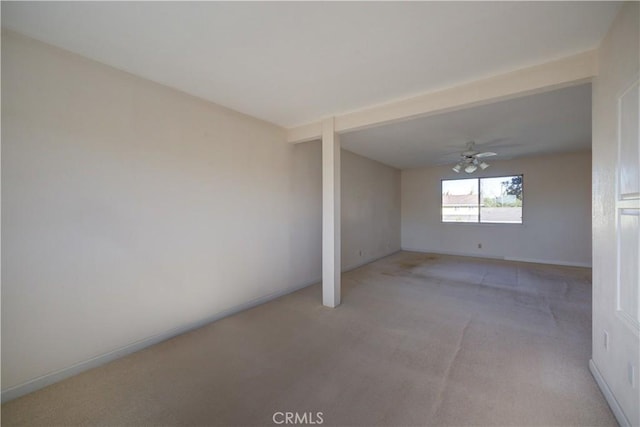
x: 501, y: 199
x: 460, y: 200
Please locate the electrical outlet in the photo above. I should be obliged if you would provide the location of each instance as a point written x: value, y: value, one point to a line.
x: 479, y: 245
x: 632, y: 375
x: 605, y: 340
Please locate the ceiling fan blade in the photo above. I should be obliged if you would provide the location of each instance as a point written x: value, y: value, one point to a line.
x: 485, y: 154
x: 498, y: 143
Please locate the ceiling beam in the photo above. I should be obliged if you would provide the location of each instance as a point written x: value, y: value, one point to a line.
x: 553, y: 75
x: 305, y: 133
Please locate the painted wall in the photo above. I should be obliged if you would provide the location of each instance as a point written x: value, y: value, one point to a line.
x: 619, y: 58
x: 130, y: 209
x: 556, y: 212
x: 370, y: 200
x: 306, y: 233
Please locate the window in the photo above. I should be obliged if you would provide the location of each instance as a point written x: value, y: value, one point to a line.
x: 496, y: 200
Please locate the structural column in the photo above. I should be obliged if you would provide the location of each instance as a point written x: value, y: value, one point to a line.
x: 331, y: 267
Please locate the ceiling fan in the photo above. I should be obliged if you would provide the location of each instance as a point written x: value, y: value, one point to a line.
x: 471, y: 159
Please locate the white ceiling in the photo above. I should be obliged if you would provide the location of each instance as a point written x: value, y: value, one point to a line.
x: 550, y: 122
x: 295, y: 62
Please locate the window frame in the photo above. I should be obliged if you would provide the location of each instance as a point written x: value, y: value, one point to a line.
x: 479, y: 222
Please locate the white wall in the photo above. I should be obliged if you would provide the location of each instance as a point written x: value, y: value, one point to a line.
x: 306, y: 234
x: 370, y: 200
x: 619, y: 58
x: 131, y: 209
x: 556, y: 211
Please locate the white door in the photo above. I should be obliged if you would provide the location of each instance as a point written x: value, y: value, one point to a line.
x: 628, y: 208
x: 628, y: 230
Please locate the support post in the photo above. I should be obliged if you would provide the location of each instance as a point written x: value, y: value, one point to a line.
x: 331, y: 267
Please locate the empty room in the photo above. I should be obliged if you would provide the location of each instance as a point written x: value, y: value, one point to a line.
x: 320, y: 213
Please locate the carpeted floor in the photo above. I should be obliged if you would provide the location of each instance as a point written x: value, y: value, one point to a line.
x: 419, y: 340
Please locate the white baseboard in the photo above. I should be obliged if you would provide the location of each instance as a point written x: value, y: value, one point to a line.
x: 608, y: 395
x: 54, y: 377
x: 550, y: 261
x: 368, y: 261
x: 453, y: 253
x: 506, y: 258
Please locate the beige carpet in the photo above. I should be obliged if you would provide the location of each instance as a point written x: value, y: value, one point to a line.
x: 418, y: 340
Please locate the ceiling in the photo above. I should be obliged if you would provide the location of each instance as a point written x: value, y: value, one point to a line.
x: 550, y: 122
x: 295, y: 62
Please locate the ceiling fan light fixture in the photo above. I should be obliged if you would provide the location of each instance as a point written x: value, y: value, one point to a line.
x: 471, y: 159
x: 471, y: 168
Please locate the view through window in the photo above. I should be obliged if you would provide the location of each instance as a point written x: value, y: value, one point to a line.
x: 483, y: 200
